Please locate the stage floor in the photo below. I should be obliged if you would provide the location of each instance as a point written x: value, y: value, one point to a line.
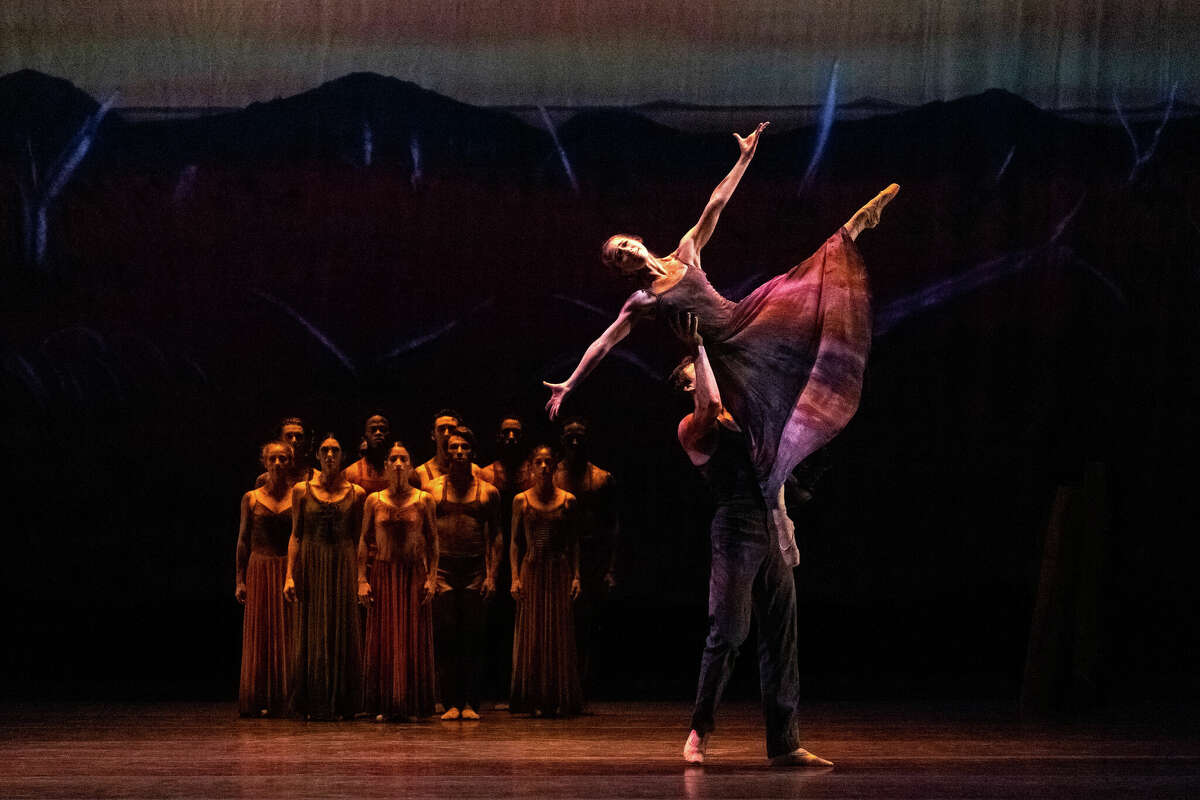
x: 620, y: 750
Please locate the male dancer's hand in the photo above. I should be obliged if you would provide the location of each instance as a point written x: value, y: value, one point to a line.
x: 686, y: 327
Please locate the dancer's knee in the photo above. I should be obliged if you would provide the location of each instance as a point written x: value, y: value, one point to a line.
x: 725, y: 634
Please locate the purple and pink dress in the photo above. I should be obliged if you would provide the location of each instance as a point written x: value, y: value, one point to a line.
x: 788, y: 359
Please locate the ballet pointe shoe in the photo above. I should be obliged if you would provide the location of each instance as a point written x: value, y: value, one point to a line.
x: 469, y: 713
x: 451, y: 713
x: 800, y: 758
x: 694, y: 747
x: 868, y: 216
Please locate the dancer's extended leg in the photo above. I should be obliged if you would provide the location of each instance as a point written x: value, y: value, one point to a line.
x: 868, y: 216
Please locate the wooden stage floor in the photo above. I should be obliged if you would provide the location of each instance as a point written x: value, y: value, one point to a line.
x: 621, y: 750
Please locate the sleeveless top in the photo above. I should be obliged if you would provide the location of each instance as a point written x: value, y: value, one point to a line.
x: 327, y: 523
x: 359, y: 473
x: 269, y: 530
x: 694, y: 293
x: 460, y: 524
x: 547, y: 532
x: 730, y: 473
x: 398, y: 533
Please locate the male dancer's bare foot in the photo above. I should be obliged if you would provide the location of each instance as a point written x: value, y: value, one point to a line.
x: 451, y: 713
x: 868, y: 216
x: 469, y: 713
x: 694, y: 747
x: 800, y: 757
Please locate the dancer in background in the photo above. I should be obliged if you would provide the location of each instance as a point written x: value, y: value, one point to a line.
x: 293, y: 431
x: 509, y: 473
x: 399, y: 678
x: 545, y: 583
x: 789, y: 358
x: 596, y: 494
x: 369, y: 471
x: 469, y: 553
x: 322, y: 578
x: 262, y: 546
x: 445, y: 422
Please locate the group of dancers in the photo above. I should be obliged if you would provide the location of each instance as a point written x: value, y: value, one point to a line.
x: 427, y: 551
x: 774, y: 377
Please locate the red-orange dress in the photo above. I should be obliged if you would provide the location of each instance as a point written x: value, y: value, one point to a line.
x: 545, y: 672
x: 399, y: 678
x: 266, y: 627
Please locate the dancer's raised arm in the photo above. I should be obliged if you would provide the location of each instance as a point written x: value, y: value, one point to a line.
x: 696, y: 429
x: 637, y: 306
x: 692, y: 241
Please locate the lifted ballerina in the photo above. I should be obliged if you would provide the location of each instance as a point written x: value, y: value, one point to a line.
x: 789, y: 357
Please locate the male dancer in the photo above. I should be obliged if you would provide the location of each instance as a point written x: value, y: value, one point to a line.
x: 444, y: 423
x: 369, y: 471
x: 510, y: 474
x: 749, y: 575
x: 467, y: 522
x: 293, y: 431
x: 596, y: 493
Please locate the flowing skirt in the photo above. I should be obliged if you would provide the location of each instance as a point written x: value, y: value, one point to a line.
x: 266, y: 631
x: 545, y: 673
x: 399, y: 676
x: 790, y: 359
x: 327, y: 649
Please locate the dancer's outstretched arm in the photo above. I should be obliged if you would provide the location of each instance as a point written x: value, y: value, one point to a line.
x: 698, y: 236
x: 638, y: 305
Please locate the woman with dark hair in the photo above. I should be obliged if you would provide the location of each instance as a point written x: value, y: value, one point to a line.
x: 266, y: 522
x: 322, y: 572
x: 399, y: 678
x: 545, y: 584
x: 789, y: 358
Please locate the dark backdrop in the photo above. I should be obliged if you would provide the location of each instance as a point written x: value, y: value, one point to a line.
x: 371, y: 245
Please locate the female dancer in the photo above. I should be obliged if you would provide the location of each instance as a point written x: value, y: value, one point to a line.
x: 788, y: 358
x: 266, y: 522
x: 321, y: 573
x: 398, y: 681
x: 545, y: 673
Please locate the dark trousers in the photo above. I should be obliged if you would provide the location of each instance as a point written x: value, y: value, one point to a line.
x: 589, y: 618
x: 459, y: 613
x: 749, y: 578
x: 501, y: 615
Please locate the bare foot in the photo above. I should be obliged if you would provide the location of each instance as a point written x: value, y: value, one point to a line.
x: 800, y: 758
x: 451, y: 713
x: 868, y: 216
x: 694, y: 747
x: 469, y: 713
